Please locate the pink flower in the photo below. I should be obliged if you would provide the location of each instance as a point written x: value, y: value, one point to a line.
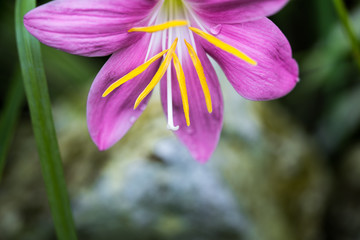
x: 167, y: 41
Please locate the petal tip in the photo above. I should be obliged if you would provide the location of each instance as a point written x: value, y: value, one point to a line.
x: 100, y: 143
x: 202, y: 161
x: 26, y: 21
x: 102, y: 148
x: 203, y: 156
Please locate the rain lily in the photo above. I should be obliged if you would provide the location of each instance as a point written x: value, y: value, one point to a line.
x: 167, y: 42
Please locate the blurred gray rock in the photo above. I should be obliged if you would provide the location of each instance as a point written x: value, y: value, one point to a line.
x: 165, y: 195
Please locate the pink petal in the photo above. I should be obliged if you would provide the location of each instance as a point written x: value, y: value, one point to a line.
x: 276, y: 73
x: 110, y: 117
x: 202, y: 136
x: 88, y: 27
x: 235, y: 11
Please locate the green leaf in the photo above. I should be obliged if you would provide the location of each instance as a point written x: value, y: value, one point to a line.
x: 43, y: 126
x: 349, y: 30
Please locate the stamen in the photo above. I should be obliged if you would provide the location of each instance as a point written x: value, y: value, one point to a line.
x: 158, y: 75
x: 160, y: 27
x: 224, y: 46
x: 200, y: 71
x: 182, y: 85
x: 133, y: 73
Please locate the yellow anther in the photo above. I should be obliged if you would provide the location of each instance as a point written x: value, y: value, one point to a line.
x: 133, y: 73
x: 200, y: 71
x: 182, y: 85
x: 224, y: 46
x: 158, y: 75
x: 160, y: 27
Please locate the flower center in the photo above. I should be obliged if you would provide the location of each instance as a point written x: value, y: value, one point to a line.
x: 166, y: 26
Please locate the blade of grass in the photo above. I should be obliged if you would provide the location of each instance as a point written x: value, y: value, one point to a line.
x: 345, y: 21
x: 9, y: 117
x: 43, y: 126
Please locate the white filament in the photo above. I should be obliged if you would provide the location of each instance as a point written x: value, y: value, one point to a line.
x: 170, y: 124
x: 179, y: 15
x: 149, y: 48
x: 192, y: 40
x: 155, y: 19
x: 189, y: 10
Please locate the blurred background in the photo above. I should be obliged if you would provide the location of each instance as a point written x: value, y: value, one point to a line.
x: 287, y: 169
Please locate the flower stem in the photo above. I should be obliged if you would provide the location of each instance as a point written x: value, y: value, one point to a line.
x: 43, y: 126
x: 345, y: 21
x: 9, y: 117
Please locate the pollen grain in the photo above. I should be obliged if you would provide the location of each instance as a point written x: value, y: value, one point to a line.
x: 200, y: 71
x: 224, y: 46
x: 160, y: 27
x: 182, y: 85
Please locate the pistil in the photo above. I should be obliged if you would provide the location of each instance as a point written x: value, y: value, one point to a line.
x: 169, y: 101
